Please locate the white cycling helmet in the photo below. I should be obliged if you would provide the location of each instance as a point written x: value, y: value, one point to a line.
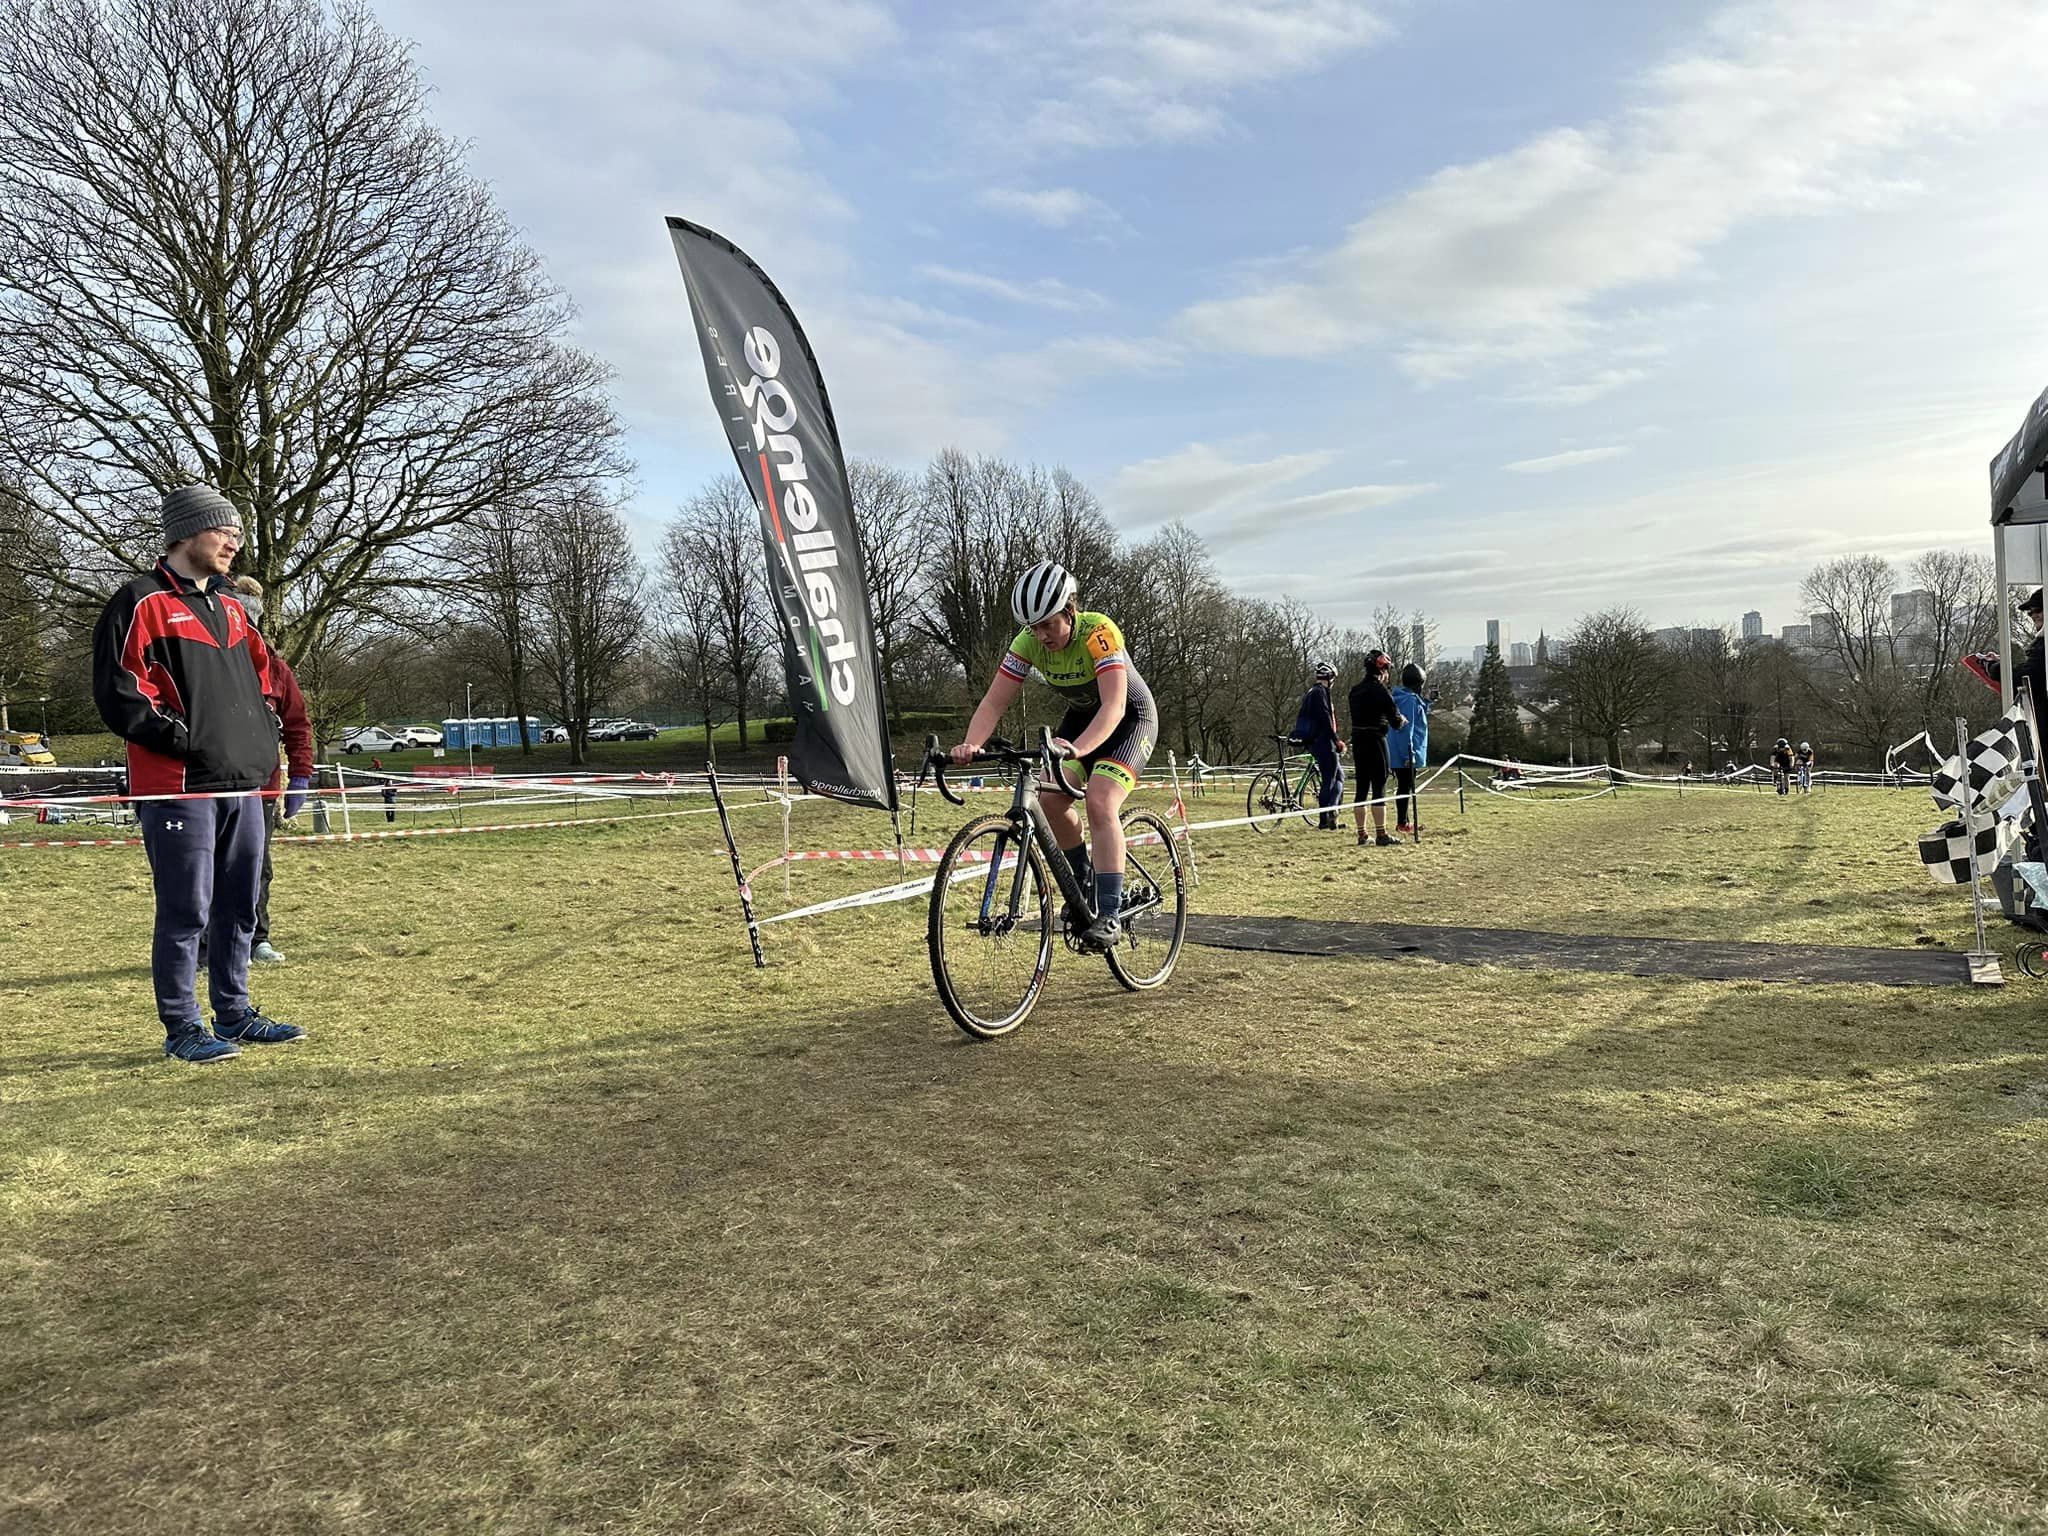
x: 1806, y: 746
x: 1325, y: 673
x: 1042, y: 592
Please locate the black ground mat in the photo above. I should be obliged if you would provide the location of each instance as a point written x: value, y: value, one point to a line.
x: 1701, y: 959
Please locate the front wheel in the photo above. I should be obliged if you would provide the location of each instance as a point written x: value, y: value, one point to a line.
x: 990, y: 927
x: 1155, y: 910
x: 1266, y: 801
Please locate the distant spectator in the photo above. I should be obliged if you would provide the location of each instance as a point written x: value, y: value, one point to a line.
x: 1372, y: 715
x: 181, y: 676
x: 1989, y: 667
x: 1408, y: 747
x: 1315, y: 727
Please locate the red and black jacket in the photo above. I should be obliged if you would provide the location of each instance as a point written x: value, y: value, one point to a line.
x: 181, y: 675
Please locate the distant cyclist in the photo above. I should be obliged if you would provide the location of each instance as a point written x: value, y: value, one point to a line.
x: 1804, y: 760
x: 1315, y: 727
x: 1781, y: 766
x: 1111, y: 724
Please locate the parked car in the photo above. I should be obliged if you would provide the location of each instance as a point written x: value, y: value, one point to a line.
x: 553, y: 734
x: 607, y: 730
x: 638, y: 730
x: 419, y: 735
x: 371, y: 738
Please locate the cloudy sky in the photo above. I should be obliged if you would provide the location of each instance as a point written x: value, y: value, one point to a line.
x: 1491, y: 307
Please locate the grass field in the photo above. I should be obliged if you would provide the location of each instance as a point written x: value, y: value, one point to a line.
x: 567, y: 1219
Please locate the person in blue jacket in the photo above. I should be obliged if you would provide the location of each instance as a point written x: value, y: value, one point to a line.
x: 1408, y: 746
x: 1315, y: 726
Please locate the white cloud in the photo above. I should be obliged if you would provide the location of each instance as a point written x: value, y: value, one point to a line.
x: 1294, y: 517
x: 1781, y: 110
x: 1230, y: 501
x: 1045, y: 293
x: 1581, y: 390
x: 1053, y: 207
x: 1068, y: 75
x: 1551, y: 463
x: 1198, y: 480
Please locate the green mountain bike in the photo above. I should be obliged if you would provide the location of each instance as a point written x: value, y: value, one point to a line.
x: 1286, y: 792
x: 992, y: 921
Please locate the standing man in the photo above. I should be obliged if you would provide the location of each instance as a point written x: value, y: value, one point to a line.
x: 179, y: 674
x: 1315, y: 727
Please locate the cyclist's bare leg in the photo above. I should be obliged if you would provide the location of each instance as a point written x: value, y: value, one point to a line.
x: 1105, y: 829
x: 1061, y: 811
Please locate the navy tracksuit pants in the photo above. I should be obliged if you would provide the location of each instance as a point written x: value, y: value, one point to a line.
x: 206, y: 857
x: 1327, y: 764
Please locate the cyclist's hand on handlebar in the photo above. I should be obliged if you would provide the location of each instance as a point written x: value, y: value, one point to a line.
x: 1062, y: 748
x: 964, y: 753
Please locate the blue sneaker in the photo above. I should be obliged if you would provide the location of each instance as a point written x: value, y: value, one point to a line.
x: 256, y: 1028
x: 199, y: 1045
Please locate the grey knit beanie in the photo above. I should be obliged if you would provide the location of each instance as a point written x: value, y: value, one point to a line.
x: 193, y: 509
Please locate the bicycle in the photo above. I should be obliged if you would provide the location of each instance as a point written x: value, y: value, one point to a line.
x: 1273, y: 798
x: 991, y: 923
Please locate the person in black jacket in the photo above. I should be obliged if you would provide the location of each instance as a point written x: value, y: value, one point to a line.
x: 1372, y: 712
x: 1315, y: 727
x: 180, y: 674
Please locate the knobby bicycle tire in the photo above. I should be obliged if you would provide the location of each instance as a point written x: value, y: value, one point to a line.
x: 1266, y: 801
x: 951, y: 946
x: 1150, y: 947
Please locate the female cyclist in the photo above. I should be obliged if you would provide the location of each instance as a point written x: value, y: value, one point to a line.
x: 1111, y: 724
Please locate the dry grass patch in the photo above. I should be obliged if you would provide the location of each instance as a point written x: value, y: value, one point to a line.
x: 566, y: 1219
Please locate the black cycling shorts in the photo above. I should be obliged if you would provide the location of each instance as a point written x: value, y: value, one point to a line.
x: 1369, y: 762
x: 1123, y: 757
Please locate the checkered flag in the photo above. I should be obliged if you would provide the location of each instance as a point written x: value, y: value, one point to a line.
x: 1992, y: 771
x: 1946, y: 850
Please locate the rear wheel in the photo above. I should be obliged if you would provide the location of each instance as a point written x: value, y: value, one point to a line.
x: 990, y: 927
x: 1155, y: 910
x: 1266, y: 801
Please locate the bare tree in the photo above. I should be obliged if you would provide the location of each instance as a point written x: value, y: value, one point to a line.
x: 1958, y: 615
x: 720, y: 529
x: 1612, y: 677
x: 592, y: 612
x: 23, y: 661
x: 990, y: 520
x: 494, y: 559
x: 1865, y: 682
x: 896, y: 543
x: 689, y: 636
x: 1191, y: 636
x: 232, y: 247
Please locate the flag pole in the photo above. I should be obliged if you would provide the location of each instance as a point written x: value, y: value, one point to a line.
x: 738, y: 876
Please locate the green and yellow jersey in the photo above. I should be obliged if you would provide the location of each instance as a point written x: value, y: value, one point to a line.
x: 1074, y: 671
